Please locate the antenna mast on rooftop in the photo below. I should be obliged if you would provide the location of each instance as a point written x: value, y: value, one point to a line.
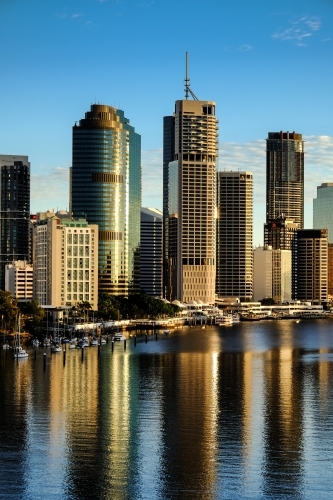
x: 187, y: 83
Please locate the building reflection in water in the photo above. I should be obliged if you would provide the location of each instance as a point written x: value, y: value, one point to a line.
x: 233, y: 418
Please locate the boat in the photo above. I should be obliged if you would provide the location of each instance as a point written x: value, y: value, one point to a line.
x: 102, y: 341
x: 18, y: 351
x: 235, y: 319
x: 118, y: 337
x: 35, y: 342
x: 166, y: 331
x: 72, y: 344
x: 94, y: 341
x: 226, y: 320
x: 56, y: 347
x: 6, y: 345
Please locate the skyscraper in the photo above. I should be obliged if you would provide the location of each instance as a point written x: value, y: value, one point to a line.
x: 151, y: 252
x: 285, y: 177
x: 323, y: 209
x: 106, y: 189
x: 310, y: 266
x: 190, y: 152
x: 14, y: 211
x: 234, y: 235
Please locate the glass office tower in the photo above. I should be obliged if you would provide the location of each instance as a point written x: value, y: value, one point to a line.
x: 285, y: 177
x: 106, y: 190
x: 323, y: 209
x: 15, y: 211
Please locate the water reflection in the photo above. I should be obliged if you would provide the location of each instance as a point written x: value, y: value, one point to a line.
x: 241, y: 412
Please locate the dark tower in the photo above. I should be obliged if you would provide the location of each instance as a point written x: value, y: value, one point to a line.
x: 15, y: 211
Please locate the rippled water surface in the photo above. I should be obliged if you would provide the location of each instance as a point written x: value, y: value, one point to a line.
x: 241, y: 412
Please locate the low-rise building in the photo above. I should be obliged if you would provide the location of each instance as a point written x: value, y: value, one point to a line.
x: 19, y: 280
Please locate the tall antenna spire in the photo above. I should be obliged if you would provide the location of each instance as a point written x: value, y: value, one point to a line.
x: 187, y: 80
x: 187, y: 83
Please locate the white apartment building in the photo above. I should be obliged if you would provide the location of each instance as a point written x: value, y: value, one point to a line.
x: 19, y: 280
x: 65, y: 254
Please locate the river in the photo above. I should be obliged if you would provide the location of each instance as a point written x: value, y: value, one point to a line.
x: 238, y: 412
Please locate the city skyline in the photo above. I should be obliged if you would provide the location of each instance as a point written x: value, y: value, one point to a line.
x: 58, y: 66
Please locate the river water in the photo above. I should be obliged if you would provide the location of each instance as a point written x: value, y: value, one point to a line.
x: 240, y: 412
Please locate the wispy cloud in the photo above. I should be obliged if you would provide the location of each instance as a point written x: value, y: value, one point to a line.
x: 50, y: 188
x: 299, y: 30
x: 245, y: 48
x: 250, y: 156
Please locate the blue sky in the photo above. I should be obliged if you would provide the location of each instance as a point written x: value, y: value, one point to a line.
x: 267, y: 65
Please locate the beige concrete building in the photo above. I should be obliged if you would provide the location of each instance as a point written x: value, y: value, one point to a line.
x: 19, y: 280
x: 272, y: 274
x: 65, y: 262
x: 190, y: 191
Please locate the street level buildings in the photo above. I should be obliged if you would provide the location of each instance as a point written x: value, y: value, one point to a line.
x: 151, y: 252
x: 14, y: 211
x: 189, y: 162
x: 106, y: 190
x: 65, y: 262
x: 234, y: 235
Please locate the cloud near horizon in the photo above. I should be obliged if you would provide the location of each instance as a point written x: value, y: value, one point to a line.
x: 50, y: 187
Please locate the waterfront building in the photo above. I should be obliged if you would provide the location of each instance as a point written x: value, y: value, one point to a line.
x: 323, y: 209
x: 19, y: 280
x: 272, y: 274
x: 106, y: 190
x: 262, y: 273
x: 65, y: 261
x: 285, y: 177
x: 311, y: 265
x: 234, y: 235
x: 14, y: 211
x: 151, y: 264
x: 189, y: 191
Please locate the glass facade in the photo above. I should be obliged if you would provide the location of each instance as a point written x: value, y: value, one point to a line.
x: 14, y: 212
x: 106, y: 190
x: 285, y: 177
x: 323, y: 208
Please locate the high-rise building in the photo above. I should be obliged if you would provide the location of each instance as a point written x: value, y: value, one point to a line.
x: 234, y: 235
x: 285, y: 177
x: 310, y: 265
x: 151, y: 252
x: 14, y: 211
x: 190, y: 145
x: 106, y: 190
x: 65, y: 261
x: 279, y: 233
x: 323, y: 209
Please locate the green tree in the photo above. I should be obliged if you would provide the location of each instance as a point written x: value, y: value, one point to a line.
x: 32, y: 315
x: 268, y: 301
x: 8, y: 310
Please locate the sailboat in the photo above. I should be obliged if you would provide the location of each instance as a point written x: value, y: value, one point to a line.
x: 18, y: 352
x: 118, y: 336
